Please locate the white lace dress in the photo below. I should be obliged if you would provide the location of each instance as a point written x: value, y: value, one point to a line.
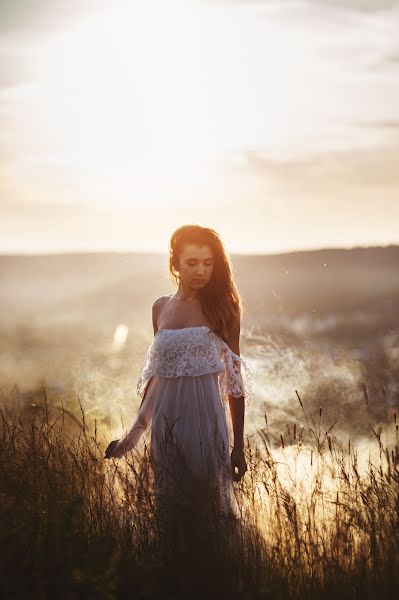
x: 189, y: 373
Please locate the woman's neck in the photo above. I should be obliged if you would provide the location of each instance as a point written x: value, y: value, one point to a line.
x: 189, y: 295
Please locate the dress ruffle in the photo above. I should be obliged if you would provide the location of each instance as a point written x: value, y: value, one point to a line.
x: 194, y: 351
x: 236, y: 379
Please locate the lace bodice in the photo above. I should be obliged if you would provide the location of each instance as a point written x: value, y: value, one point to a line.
x: 196, y: 351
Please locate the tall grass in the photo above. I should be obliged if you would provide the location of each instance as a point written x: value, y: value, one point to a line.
x: 73, y: 525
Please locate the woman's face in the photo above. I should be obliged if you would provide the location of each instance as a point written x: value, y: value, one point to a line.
x: 195, y: 265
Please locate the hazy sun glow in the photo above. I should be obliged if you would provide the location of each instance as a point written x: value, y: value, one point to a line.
x: 141, y: 116
x: 144, y: 98
x: 120, y: 337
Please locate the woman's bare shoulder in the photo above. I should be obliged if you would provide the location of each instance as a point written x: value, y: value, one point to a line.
x: 156, y: 308
x: 160, y: 301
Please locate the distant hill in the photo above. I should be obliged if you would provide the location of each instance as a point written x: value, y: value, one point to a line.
x: 97, y: 285
x: 357, y: 256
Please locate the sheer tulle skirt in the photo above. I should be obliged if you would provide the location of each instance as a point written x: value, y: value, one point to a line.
x: 191, y: 440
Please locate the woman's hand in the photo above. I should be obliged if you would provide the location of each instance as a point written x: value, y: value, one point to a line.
x: 238, y: 461
x: 111, y: 446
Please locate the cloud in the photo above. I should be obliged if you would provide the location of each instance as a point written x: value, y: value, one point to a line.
x: 17, y: 14
x: 43, y: 15
x: 11, y: 208
x: 389, y: 61
x: 356, y: 5
x: 323, y: 91
x: 390, y: 125
x: 14, y: 55
x: 362, y: 168
x: 361, y: 5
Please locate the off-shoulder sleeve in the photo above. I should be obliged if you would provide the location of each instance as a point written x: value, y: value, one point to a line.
x: 236, y: 379
x: 146, y: 373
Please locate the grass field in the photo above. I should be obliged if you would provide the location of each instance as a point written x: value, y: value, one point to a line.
x: 315, y: 523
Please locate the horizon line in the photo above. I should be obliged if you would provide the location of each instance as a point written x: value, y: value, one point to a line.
x: 163, y: 253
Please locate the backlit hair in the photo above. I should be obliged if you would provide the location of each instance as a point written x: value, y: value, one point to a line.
x: 220, y: 299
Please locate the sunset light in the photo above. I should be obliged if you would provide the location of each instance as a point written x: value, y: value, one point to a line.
x: 194, y: 109
x: 199, y: 308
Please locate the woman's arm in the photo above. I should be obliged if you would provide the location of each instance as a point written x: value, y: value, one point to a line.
x: 237, y: 405
x: 155, y: 311
x: 237, y: 411
x: 145, y: 391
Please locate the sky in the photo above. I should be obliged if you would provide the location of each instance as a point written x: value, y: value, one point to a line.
x: 275, y: 122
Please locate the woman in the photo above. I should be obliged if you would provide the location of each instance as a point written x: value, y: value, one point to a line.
x: 193, y: 373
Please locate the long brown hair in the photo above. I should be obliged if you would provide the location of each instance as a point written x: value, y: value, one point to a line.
x: 220, y: 299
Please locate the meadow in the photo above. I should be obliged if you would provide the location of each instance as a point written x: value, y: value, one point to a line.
x: 320, y: 499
